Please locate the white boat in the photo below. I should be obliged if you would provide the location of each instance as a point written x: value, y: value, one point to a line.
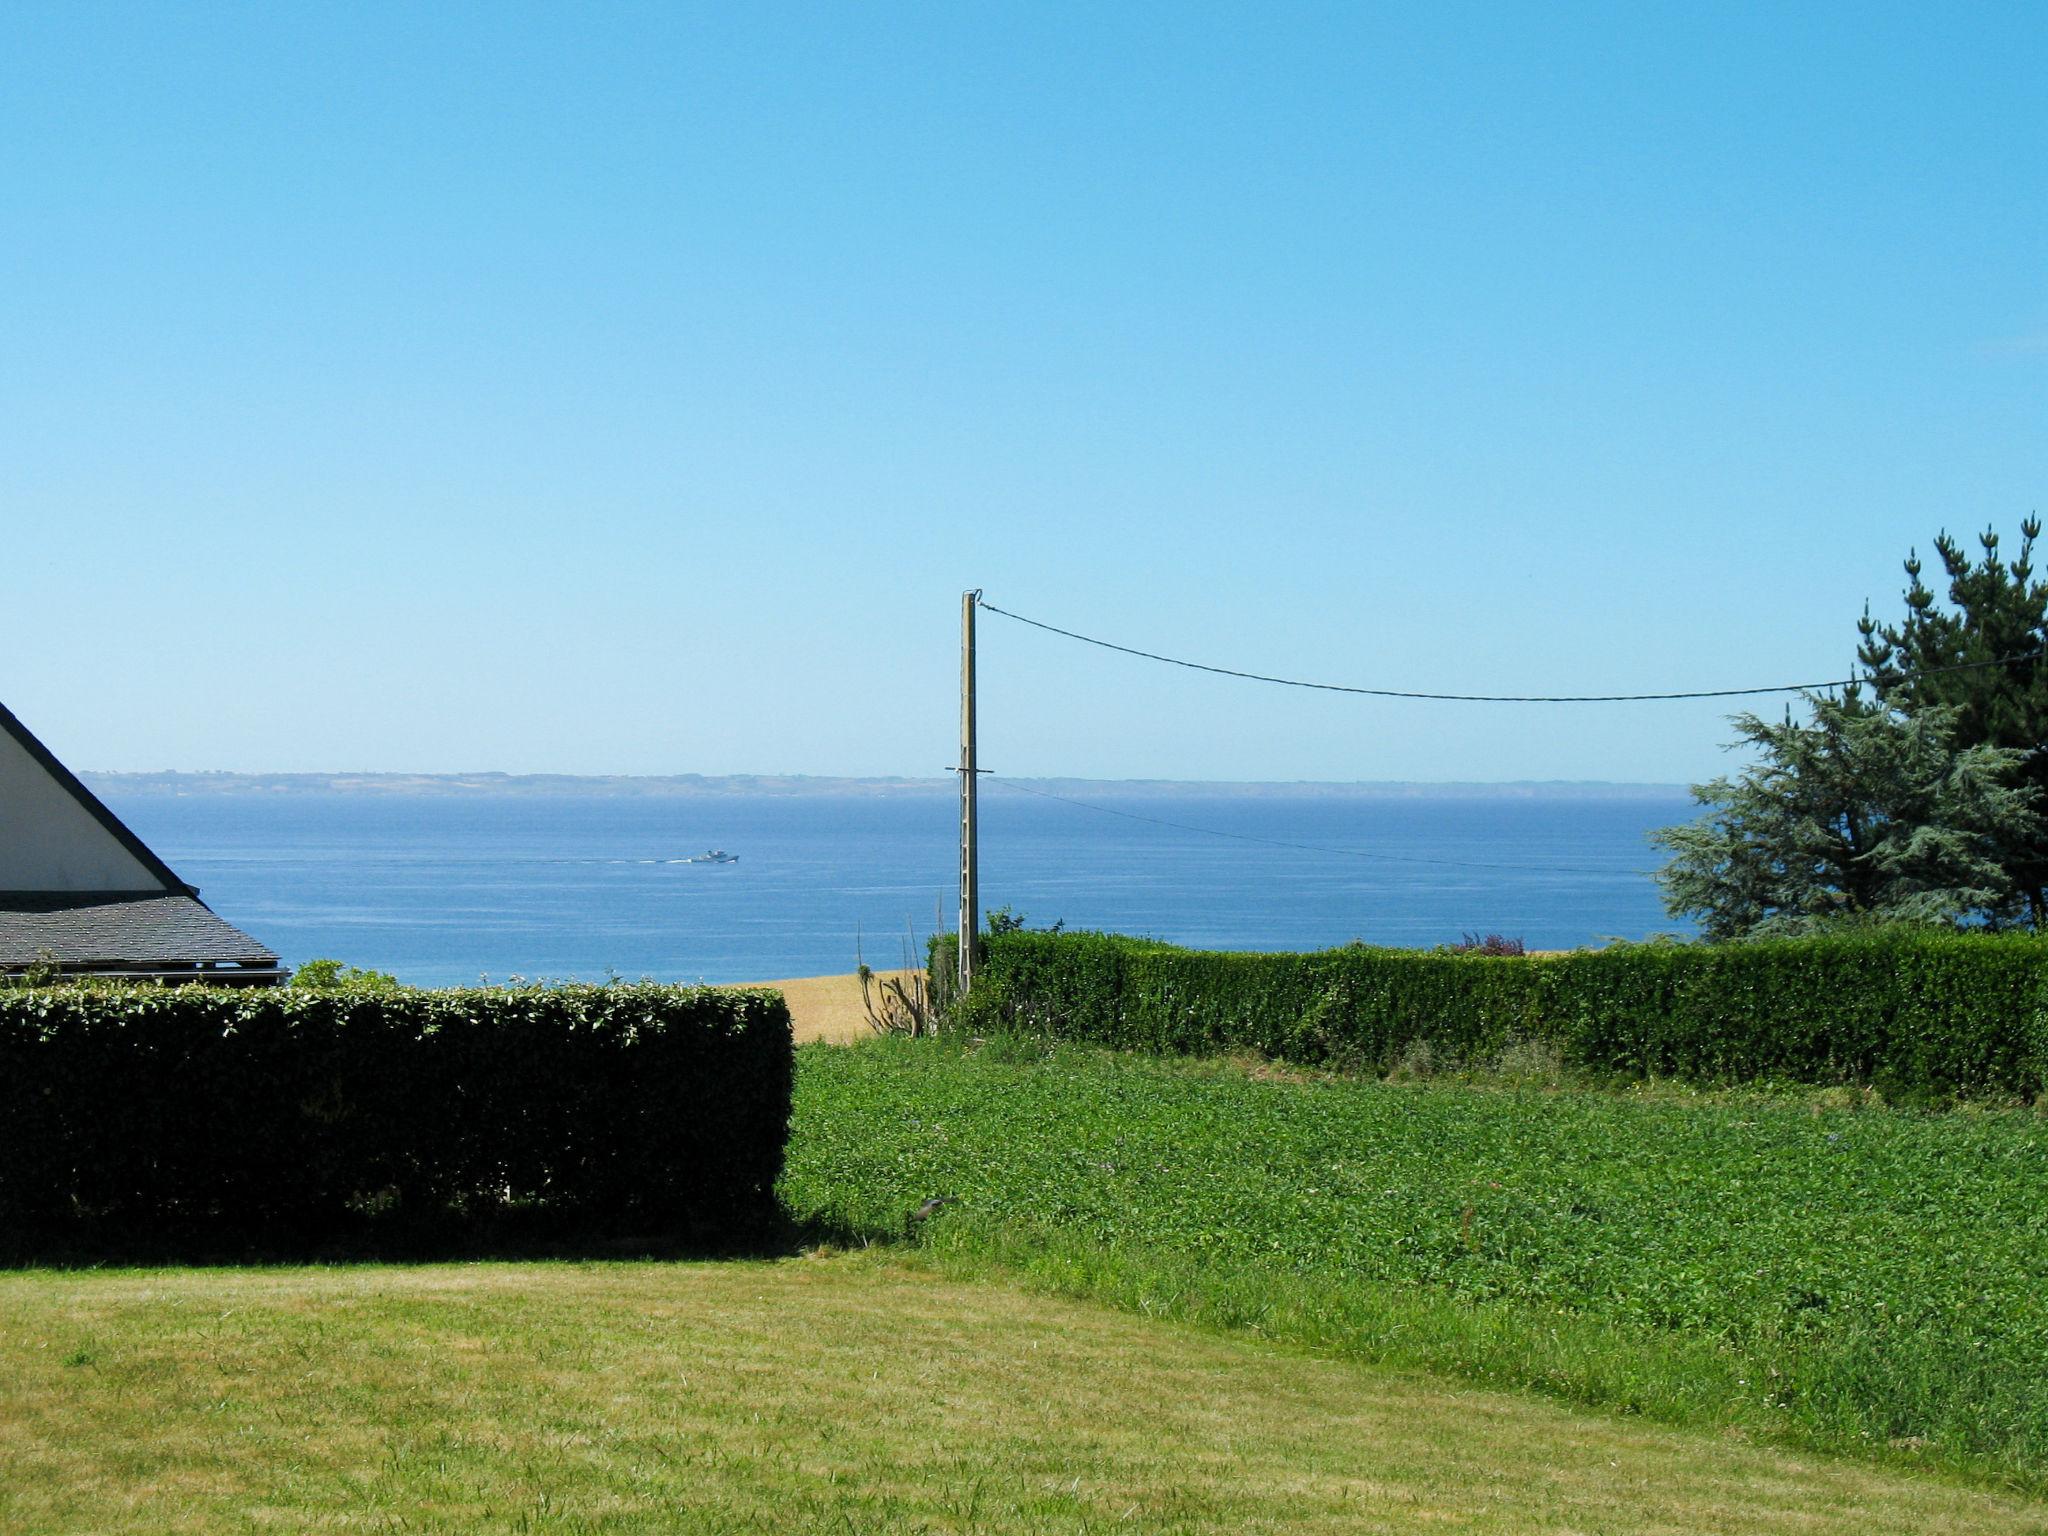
x: 714, y: 856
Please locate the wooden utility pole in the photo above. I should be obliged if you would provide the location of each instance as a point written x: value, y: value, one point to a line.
x: 970, y: 877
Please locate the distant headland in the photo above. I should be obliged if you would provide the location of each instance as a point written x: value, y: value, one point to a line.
x: 683, y: 785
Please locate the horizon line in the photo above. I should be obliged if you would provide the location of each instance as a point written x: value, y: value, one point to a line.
x: 366, y: 778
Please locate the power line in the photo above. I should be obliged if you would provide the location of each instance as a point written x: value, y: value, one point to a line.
x: 1276, y: 842
x: 1492, y: 698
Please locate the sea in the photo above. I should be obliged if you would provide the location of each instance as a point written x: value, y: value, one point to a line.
x: 452, y: 889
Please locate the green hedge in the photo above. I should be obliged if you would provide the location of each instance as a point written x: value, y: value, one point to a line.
x: 168, y: 1112
x: 1911, y: 1012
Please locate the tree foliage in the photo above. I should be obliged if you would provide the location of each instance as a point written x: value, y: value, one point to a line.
x: 1941, y: 655
x: 1864, y: 812
x: 1920, y: 801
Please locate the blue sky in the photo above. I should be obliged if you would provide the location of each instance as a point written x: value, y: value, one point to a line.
x: 634, y: 389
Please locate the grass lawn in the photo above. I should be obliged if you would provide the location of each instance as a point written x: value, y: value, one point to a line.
x: 848, y: 1393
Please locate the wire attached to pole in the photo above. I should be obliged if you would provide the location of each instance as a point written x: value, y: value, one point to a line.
x: 1495, y: 698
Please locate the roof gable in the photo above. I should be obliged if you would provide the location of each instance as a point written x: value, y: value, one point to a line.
x: 56, y: 835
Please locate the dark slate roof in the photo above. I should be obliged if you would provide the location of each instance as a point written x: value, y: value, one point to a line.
x: 116, y: 931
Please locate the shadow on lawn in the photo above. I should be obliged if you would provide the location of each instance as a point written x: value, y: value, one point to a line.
x: 502, y: 1237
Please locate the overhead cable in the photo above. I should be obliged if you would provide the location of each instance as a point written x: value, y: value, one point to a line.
x: 1494, y: 698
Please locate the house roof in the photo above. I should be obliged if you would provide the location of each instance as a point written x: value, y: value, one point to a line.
x: 91, y: 803
x: 110, y: 930
x: 157, y: 926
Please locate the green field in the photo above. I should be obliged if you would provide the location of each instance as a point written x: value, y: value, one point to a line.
x: 1869, y: 1279
x: 840, y: 1394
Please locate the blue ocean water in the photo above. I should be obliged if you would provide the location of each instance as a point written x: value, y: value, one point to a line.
x: 444, y: 889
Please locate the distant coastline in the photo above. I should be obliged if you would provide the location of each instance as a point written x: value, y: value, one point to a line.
x: 685, y: 785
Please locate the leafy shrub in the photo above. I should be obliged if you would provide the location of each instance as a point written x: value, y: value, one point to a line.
x: 335, y: 975
x: 149, y: 1113
x: 1918, y: 1013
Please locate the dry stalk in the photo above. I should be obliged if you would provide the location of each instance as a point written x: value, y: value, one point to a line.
x: 902, y: 1004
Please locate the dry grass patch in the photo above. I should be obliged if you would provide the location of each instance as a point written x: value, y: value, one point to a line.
x: 836, y: 1394
x: 828, y: 1008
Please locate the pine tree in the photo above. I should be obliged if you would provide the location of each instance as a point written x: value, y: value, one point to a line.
x: 1865, y: 813
x: 1995, y: 611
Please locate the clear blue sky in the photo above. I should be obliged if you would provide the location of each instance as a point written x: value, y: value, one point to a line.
x: 634, y: 389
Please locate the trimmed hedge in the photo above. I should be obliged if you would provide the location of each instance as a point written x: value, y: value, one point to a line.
x: 163, y: 1113
x: 1914, y: 1013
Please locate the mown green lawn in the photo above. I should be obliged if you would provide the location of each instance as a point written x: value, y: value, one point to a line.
x: 837, y: 1394
x: 1870, y: 1279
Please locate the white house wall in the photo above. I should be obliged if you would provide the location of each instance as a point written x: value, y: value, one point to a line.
x: 50, y: 842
